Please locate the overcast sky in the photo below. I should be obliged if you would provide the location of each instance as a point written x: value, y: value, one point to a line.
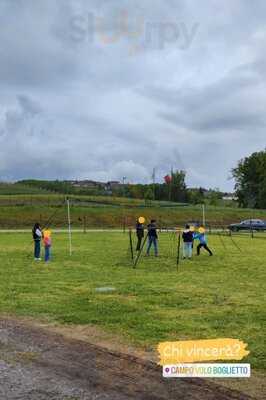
x: 105, y: 89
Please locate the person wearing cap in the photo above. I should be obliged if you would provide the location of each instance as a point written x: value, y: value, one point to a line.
x: 139, y: 232
x: 187, y: 237
x: 201, y: 236
x: 152, y: 238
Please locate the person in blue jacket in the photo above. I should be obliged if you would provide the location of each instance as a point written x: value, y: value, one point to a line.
x: 201, y: 236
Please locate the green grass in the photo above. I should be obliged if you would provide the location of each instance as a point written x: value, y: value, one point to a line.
x: 7, y: 189
x: 17, y: 194
x: 23, y: 211
x: 210, y: 297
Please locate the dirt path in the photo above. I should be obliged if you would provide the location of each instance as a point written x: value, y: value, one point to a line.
x: 36, y: 364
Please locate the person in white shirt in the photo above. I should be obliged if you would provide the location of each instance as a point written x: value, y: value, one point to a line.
x: 37, y: 237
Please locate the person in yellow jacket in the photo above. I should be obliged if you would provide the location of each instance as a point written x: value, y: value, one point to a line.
x: 47, y: 241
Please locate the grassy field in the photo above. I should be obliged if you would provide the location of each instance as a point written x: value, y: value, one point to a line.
x: 209, y: 297
x: 39, y: 198
x: 22, y: 211
x: 19, y: 189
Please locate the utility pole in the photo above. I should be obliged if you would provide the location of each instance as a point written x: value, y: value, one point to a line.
x: 171, y: 184
x: 153, y: 182
x: 124, y: 187
x: 124, y: 195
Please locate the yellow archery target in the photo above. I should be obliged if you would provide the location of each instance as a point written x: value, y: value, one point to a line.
x: 141, y: 220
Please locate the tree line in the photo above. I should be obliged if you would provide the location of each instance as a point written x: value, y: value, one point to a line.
x: 249, y: 175
x: 250, y: 178
x: 173, y: 189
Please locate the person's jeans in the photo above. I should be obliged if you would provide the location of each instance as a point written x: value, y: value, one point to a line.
x: 47, y: 253
x: 187, y: 249
x: 139, y: 243
x: 152, y: 241
x: 37, y: 249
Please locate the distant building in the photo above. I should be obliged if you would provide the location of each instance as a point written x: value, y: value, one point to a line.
x: 229, y: 197
x: 202, y: 190
x: 112, y: 185
x: 89, y: 184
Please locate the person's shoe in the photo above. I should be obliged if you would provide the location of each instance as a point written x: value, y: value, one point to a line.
x: 211, y: 255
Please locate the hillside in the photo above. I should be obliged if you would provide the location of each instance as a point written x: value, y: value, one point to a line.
x: 23, y: 210
x: 7, y: 189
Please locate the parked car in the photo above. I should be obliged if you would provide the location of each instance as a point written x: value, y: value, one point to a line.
x: 248, y: 225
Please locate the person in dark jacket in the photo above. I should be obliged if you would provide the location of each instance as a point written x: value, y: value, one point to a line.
x: 152, y: 238
x: 187, y: 237
x: 139, y: 233
x: 37, y: 237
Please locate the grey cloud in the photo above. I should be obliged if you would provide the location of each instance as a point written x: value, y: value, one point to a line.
x: 28, y: 106
x: 92, y: 109
x: 232, y: 103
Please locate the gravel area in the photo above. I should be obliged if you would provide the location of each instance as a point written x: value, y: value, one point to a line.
x: 36, y: 364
